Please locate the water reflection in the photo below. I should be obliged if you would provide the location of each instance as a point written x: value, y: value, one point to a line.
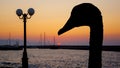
x: 46, y: 58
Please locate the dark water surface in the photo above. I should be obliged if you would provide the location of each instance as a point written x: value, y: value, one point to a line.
x: 57, y: 58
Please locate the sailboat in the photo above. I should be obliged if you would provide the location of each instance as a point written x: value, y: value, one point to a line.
x: 11, y: 47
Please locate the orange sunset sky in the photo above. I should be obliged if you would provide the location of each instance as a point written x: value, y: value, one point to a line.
x: 51, y: 15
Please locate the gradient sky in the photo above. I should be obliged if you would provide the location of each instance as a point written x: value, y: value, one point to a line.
x: 51, y: 15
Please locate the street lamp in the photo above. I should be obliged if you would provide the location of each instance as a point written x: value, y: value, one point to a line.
x: 24, y: 16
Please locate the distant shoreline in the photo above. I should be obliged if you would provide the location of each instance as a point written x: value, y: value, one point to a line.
x: 104, y: 48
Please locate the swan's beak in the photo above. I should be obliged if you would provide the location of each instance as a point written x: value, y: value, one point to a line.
x: 69, y: 25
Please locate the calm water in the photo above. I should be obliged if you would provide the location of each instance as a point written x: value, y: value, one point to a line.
x: 46, y: 58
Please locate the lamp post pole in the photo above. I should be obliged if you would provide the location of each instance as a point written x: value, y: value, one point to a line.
x: 24, y: 17
x: 25, y: 57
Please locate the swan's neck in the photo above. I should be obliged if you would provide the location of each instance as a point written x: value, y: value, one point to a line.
x: 96, y: 35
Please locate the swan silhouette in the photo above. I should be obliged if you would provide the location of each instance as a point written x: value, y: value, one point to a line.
x: 86, y: 14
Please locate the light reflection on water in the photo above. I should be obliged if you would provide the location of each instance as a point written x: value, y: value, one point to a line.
x: 57, y: 58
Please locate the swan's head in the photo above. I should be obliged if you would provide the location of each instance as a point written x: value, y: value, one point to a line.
x: 82, y: 15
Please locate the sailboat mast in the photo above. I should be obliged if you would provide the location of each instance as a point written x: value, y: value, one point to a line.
x: 54, y: 40
x: 40, y: 39
x: 9, y: 38
x: 44, y: 38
